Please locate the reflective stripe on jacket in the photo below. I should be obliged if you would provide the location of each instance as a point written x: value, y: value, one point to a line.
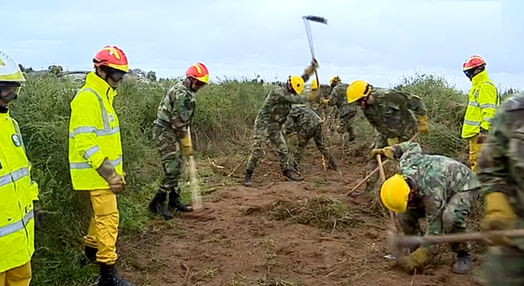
x: 17, y: 193
x: 94, y: 134
x: 483, y: 99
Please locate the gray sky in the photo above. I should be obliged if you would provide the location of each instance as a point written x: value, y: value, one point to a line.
x: 376, y: 40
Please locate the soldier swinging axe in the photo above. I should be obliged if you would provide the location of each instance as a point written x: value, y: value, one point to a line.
x: 316, y: 19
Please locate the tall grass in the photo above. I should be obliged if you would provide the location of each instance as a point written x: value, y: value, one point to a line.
x: 223, y: 123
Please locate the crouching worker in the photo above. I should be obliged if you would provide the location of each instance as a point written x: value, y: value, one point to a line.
x: 307, y: 124
x: 436, y: 187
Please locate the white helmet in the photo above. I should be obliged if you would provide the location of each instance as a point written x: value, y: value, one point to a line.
x: 9, y: 70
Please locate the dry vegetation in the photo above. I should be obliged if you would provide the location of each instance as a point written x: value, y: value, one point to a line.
x: 158, y: 253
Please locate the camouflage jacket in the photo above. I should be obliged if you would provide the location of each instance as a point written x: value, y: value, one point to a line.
x: 435, y: 179
x: 338, y: 98
x: 277, y: 106
x: 302, y: 120
x: 176, y: 109
x: 501, y: 162
x: 394, y: 113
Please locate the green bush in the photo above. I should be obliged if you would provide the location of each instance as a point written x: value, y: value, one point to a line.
x: 224, y: 120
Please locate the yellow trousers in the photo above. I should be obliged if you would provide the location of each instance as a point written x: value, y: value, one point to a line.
x: 19, y: 276
x: 474, y: 152
x: 103, y: 231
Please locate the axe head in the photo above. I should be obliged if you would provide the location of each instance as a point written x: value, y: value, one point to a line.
x: 316, y: 19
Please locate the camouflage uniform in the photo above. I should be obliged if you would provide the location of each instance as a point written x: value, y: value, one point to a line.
x: 501, y: 168
x: 393, y: 114
x: 445, y: 192
x: 174, y: 116
x: 308, y: 125
x: 268, y: 125
x: 346, y: 111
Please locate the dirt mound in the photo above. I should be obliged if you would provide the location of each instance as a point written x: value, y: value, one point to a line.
x: 278, y: 233
x: 322, y: 212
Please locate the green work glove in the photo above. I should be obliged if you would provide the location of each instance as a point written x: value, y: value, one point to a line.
x: 416, y: 259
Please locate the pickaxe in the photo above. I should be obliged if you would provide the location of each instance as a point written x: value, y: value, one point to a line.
x: 396, y: 243
x: 316, y: 19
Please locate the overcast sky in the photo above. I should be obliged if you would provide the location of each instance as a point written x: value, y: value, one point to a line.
x: 375, y: 40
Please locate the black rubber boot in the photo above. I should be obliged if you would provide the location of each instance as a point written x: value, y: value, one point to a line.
x: 89, y: 255
x: 351, y: 134
x: 332, y: 164
x: 290, y: 174
x: 463, y: 265
x: 176, y: 203
x: 110, y: 277
x: 158, y: 205
x: 248, y: 180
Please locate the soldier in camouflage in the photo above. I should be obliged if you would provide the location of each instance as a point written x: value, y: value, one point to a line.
x: 307, y: 124
x: 500, y: 172
x: 170, y: 130
x: 271, y: 117
x: 396, y: 115
x: 346, y: 111
x: 438, y: 188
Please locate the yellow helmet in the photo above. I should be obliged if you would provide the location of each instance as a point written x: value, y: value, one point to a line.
x: 314, y: 84
x: 334, y: 80
x: 297, y: 83
x: 395, y: 193
x: 357, y: 90
x: 9, y: 70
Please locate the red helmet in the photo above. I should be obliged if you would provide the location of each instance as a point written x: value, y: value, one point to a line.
x: 113, y: 57
x: 199, y: 72
x: 473, y: 62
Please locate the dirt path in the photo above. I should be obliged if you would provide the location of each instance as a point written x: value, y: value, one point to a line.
x: 265, y: 236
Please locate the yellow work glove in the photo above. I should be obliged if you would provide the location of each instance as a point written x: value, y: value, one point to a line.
x: 313, y: 95
x: 499, y: 215
x: 324, y: 101
x: 416, y: 259
x: 423, y: 126
x: 392, y: 141
x: 311, y: 68
x: 187, y: 146
x: 387, y: 151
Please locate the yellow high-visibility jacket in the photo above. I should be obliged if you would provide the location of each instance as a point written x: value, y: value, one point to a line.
x: 17, y: 193
x: 94, y: 134
x: 482, y: 104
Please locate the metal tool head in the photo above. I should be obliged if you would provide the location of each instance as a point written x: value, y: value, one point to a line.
x: 392, y: 244
x: 316, y: 19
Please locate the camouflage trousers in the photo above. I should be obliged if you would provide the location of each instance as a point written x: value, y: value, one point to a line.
x: 304, y: 136
x: 381, y: 141
x: 347, y: 114
x: 273, y: 132
x: 454, y: 218
x: 171, y: 156
x: 504, y: 266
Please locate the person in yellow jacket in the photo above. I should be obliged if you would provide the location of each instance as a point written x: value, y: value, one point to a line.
x: 18, y: 193
x: 483, y: 100
x: 95, y: 157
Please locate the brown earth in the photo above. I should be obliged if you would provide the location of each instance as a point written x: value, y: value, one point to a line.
x: 271, y: 235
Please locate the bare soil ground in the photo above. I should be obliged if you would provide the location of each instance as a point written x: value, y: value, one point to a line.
x: 279, y: 233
